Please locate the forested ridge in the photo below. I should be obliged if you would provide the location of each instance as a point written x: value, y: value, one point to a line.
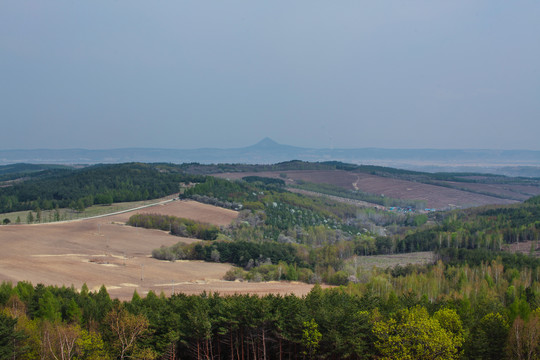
x: 45, y: 187
x: 19, y: 171
x: 419, y: 176
x: 475, y: 300
x: 99, y: 184
x: 483, y: 227
x: 327, y: 235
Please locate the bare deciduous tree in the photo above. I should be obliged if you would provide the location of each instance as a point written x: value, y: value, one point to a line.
x: 127, y: 327
x: 60, y: 340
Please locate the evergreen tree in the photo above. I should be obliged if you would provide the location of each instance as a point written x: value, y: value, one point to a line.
x: 30, y: 218
x: 10, y: 338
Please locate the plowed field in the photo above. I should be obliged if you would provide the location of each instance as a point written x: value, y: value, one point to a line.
x: 104, y: 251
x: 437, y: 197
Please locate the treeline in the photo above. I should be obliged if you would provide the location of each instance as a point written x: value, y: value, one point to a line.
x: 302, y: 165
x: 277, y: 260
x: 225, y: 190
x: 476, y: 257
x: 325, y: 233
x: 282, y: 209
x: 23, y: 171
x: 264, y: 180
x: 240, y: 253
x: 535, y: 200
x: 175, y: 225
x: 489, y: 311
x: 99, y: 184
x: 314, y: 255
x: 272, y: 261
x: 419, y: 176
x: 330, y: 234
x: 477, y: 228
x: 204, y: 169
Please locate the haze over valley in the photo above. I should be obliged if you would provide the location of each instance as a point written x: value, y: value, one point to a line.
x: 275, y: 180
x: 267, y: 151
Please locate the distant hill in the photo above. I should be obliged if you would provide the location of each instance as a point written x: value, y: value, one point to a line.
x: 267, y: 151
x: 16, y: 171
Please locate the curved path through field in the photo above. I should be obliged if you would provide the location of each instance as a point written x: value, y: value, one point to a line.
x: 104, y: 251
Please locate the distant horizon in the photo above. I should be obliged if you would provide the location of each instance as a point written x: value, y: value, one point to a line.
x: 260, y: 141
x: 266, y: 151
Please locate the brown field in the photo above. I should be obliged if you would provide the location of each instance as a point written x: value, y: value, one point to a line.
x: 393, y: 260
x: 186, y: 209
x: 524, y: 247
x: 340, y: 178
x: 436, y: 197
x: 104, y: 251
x: 509, y: 191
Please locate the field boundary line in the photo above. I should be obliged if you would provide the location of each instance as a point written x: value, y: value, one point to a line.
x: 108, y: 214
x: 341, y: 199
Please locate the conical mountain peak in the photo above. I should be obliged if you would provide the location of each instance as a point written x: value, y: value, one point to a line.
x: 266, y: 143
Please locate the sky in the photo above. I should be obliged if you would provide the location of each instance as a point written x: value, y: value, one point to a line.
x: 99, y: 74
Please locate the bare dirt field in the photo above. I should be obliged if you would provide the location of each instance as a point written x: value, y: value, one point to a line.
x: 104, y: 251
x: 509, y: 191
x: 436, y: 197
x: 340, y: 178
x: 524, y: 247
x: 186, y: 209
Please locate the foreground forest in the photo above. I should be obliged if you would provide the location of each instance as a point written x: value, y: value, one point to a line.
x: 478, y: 299
x: 489, y: 311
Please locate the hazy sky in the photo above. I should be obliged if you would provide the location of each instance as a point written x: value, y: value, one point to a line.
x: 349, y: 74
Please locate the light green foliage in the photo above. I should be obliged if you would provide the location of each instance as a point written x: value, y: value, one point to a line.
x: 31, y: 346
x: 414, y: 335
x: 352, y: 322
x: 291, y: 273
x: 144, y: 354
x: 519, y: 307
x: 59, y: 340
x: 420, y: 220
x: 450, y: 321
x: 91, y: 346
x: 49, y: 307
x: 127, y: 328
x: 311, y: 336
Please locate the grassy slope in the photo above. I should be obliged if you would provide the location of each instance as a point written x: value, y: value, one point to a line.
x: 69, y: 214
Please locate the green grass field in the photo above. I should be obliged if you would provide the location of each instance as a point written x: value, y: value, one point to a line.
x: 70, y: 214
